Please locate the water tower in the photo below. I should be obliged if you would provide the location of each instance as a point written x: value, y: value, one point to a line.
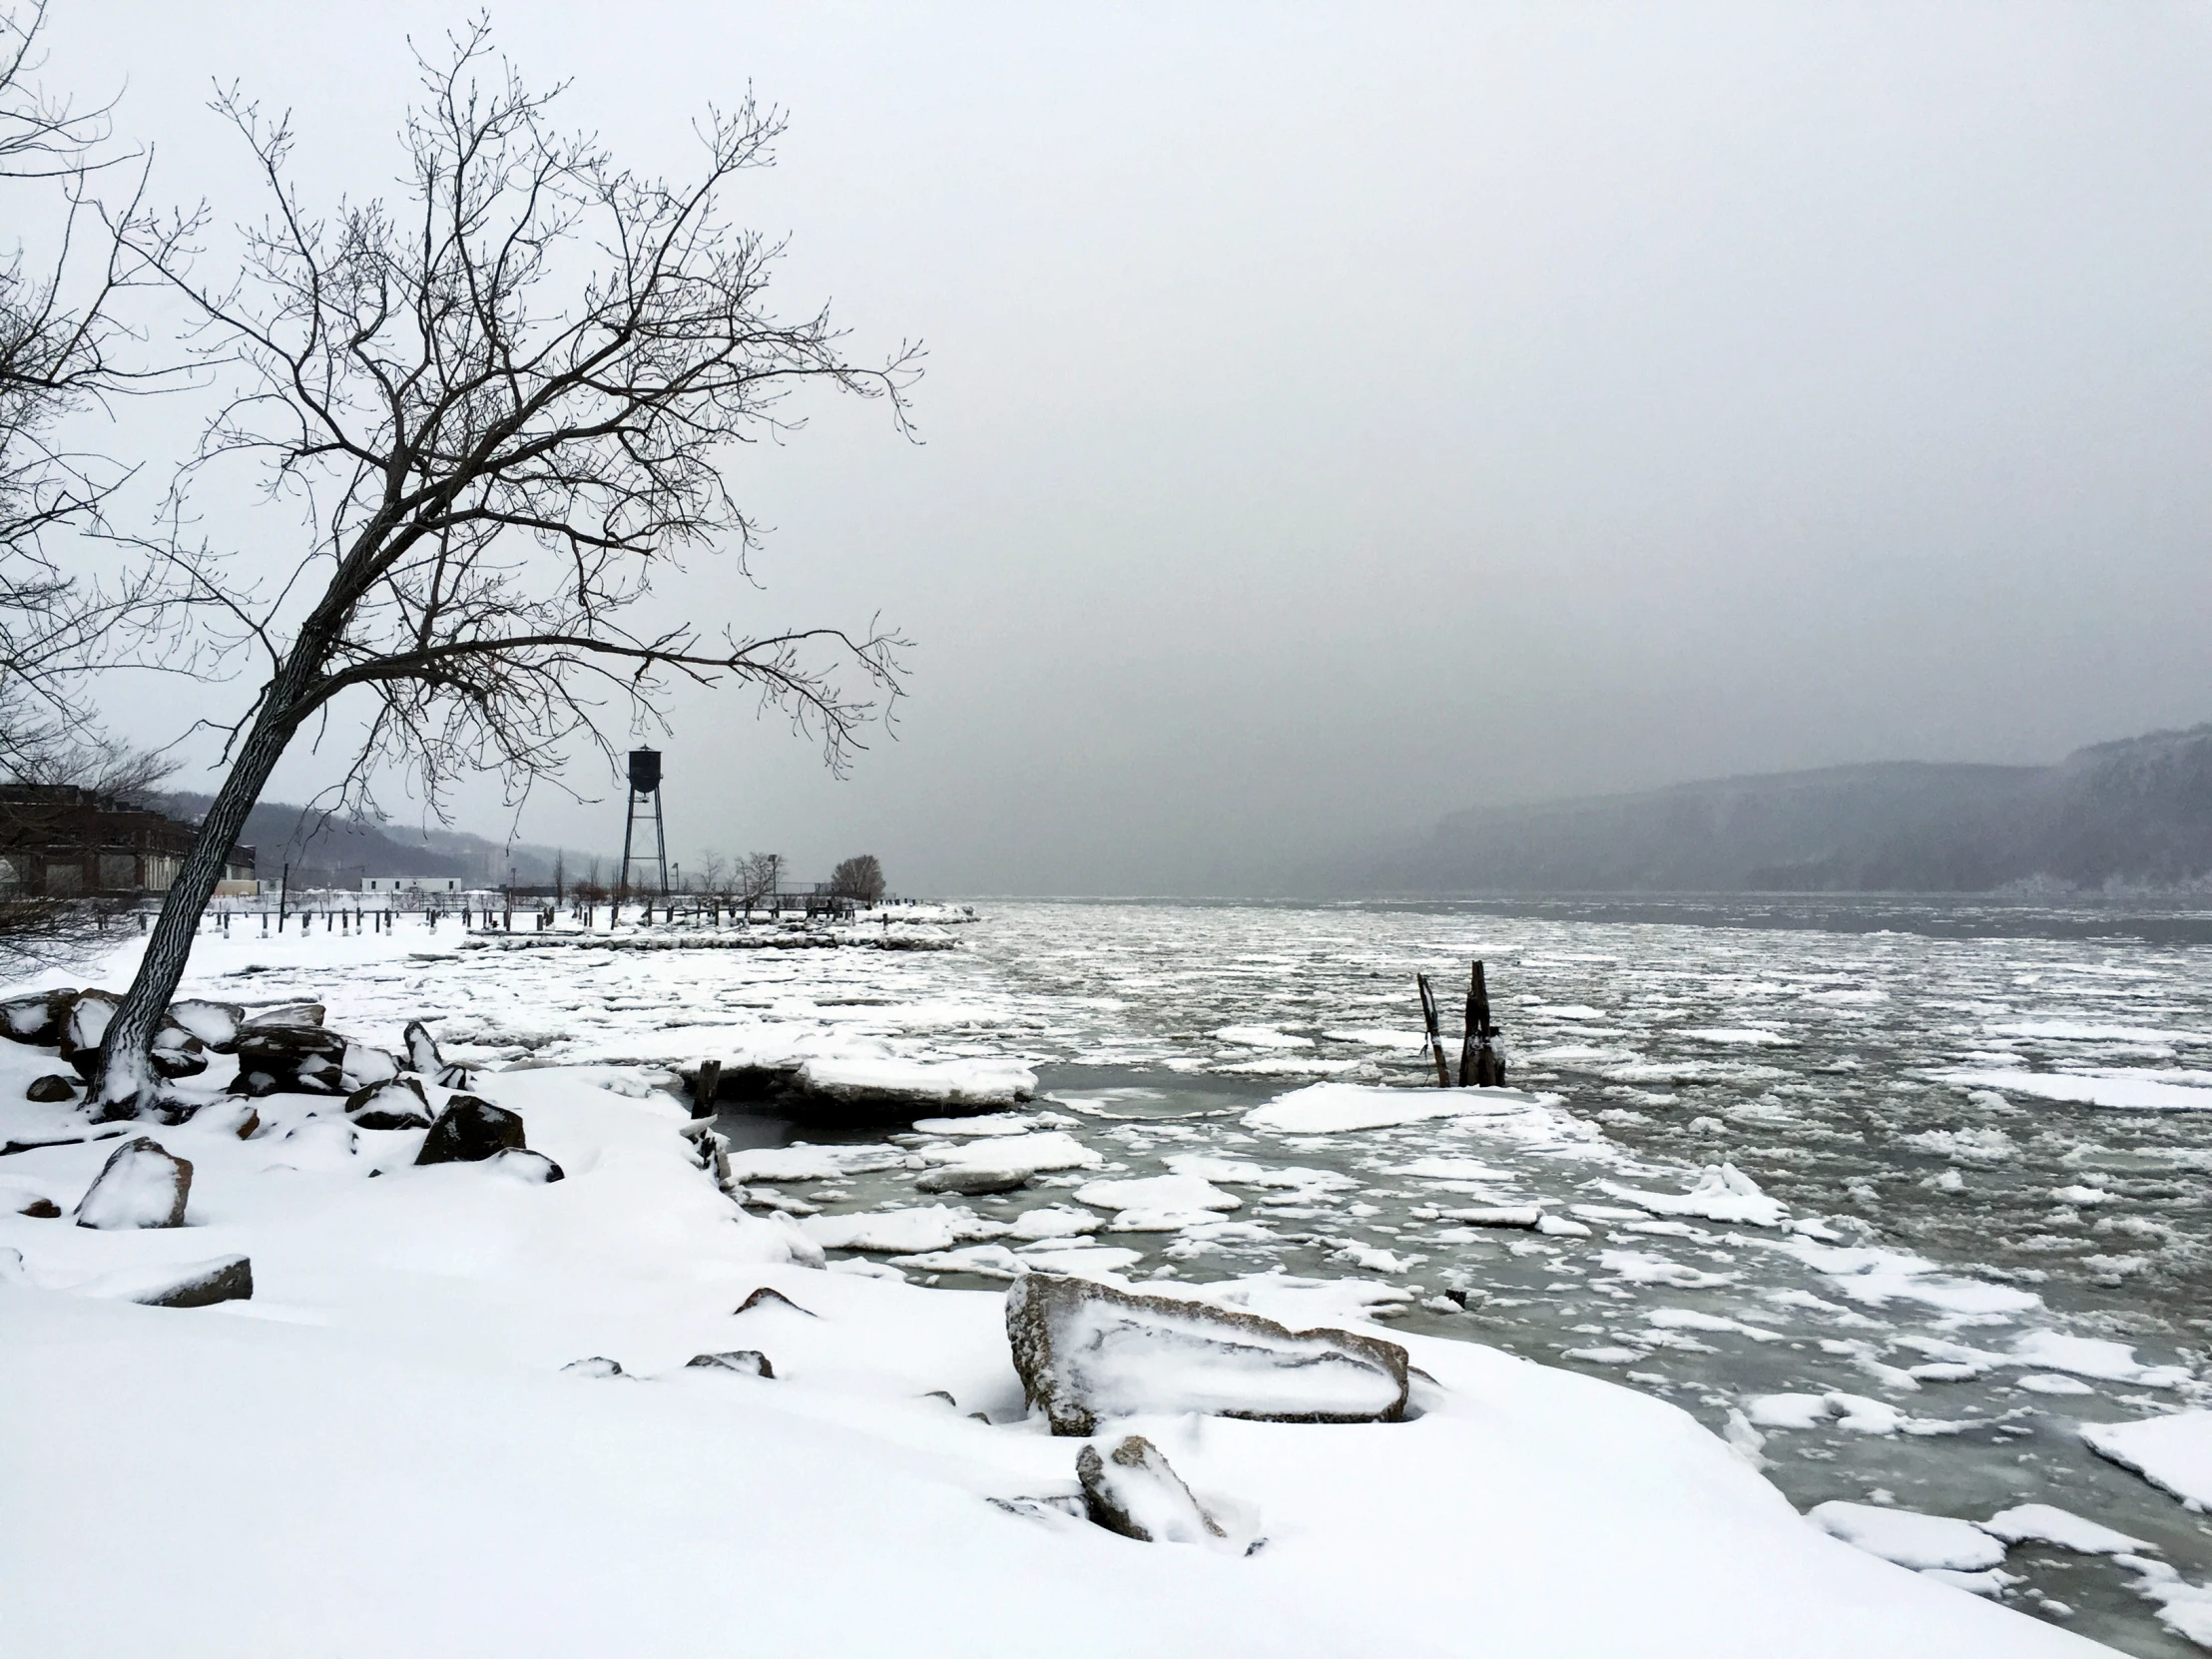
x: 645, y: 798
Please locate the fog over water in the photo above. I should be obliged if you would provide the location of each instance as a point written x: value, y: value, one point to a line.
x: 1339, y: 419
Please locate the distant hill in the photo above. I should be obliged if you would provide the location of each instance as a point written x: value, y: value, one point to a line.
x: 338, y: 851
x: 2136, y: 813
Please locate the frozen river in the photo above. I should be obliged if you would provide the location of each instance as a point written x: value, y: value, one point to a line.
x: 1989, y: 1128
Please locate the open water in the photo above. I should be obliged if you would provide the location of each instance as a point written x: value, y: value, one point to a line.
x: 1998, y: 1119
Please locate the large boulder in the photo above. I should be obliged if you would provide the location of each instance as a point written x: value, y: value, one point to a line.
x: 141, y: 1185
x: 399, y: 1105
x: 284, y: 1059
x: 83, y: 1027
x: 214, y: 1024
x: 1133, y: 1490
x: 1087, y: 1350
x: 468, y: 1131
x: 37, y: 1018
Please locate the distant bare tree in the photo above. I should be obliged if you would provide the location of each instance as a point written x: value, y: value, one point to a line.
x: 758, y: 877
x: 860, y: 878
x: 713, y: 872
x: 502, y: 406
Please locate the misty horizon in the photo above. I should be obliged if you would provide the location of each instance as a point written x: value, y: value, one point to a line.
x: 1337, y: 421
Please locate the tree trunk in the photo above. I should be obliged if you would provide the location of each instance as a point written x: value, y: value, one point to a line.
x: 126, y: 1077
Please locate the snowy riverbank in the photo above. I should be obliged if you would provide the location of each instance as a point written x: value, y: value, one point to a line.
x: 380, y: 1452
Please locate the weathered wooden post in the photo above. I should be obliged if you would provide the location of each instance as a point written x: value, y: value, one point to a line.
x: 1480, y: 1065
x: 1435, y: 1035
x: 704, y: 1087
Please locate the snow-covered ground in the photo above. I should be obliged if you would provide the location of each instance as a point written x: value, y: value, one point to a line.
x: 381, y: 1452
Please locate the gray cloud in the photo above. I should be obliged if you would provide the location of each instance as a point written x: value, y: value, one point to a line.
x: 1341, y: 416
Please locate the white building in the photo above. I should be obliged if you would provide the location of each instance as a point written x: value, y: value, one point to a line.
x: 412, y: 884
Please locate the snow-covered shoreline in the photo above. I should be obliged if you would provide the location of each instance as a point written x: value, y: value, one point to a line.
x: 381, y: 1451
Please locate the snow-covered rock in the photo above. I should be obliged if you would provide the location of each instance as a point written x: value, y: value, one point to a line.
x: 468, y: 1131
x: 745, y: 1361
x: 1087, y: 1350
x: 400, y: 1104
x: 214, y: 1023
x: 1908, y: 1539
x: 141, y: 1185
x: 1133, y: 1490
x: 177, y: 1284
x: 37, y: 1018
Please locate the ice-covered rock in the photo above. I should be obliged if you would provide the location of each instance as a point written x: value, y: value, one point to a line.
x: 745, y: 1361
x: 468, y: 1131
x: 1908, y: 1539
x: 141, y: 1185
x: 1087, y: 1350
x: 1133, y: 1490
x: 981, y: 1084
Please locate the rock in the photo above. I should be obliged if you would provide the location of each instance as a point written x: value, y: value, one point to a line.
x: 214, y: 1024
x: 973, y: 1182
x: 1133, y: 1490
x: 1087, y: 1350
x: 597, y: 1365
x: 750, y: 1361
x: 768, y: 1297
x: 298, y: 1014
x: 397, y: 1105
x: 468, y: 1131
x: 533, y: 1168
x: 51, y: 1089
x: 36, y: 1019
x: 82, y: 1026
x: 141, y: 1185
x: 423, y: 1057
x: 178, y: 1053
x: 365, y: 1067
x: 282, y: 1059
x: 41, y: 1209
x: 195, y: 1284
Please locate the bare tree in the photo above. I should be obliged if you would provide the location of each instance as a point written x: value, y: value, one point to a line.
x: 503, y: 405
x: 760, y: 876
x: 713, y: 872
x: 860, y: 878
x: 63, y: 348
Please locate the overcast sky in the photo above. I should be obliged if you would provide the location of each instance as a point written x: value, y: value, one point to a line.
x: 1341, y: 416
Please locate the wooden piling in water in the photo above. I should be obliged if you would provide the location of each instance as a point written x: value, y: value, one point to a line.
x: 1435, y: 1034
